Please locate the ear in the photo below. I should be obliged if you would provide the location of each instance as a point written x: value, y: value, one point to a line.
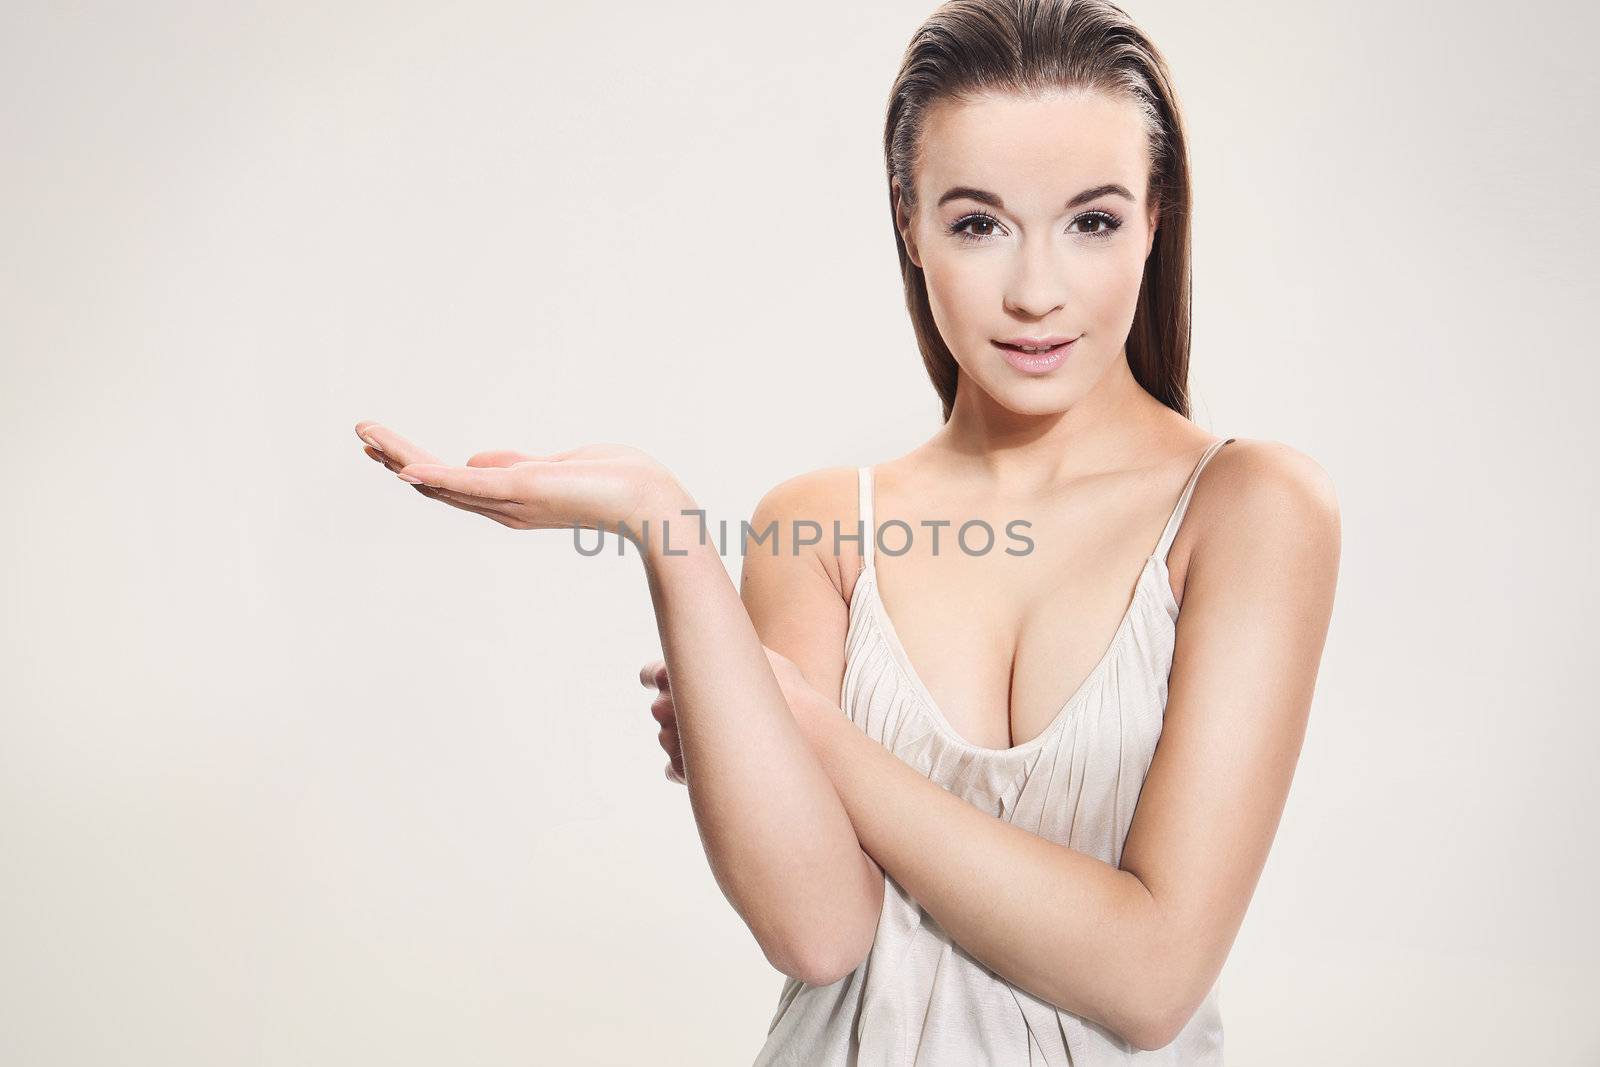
x: 1154, y: 219
x: 902, y: 222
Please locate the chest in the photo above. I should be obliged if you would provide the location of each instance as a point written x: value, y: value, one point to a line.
x: 1000, y: 653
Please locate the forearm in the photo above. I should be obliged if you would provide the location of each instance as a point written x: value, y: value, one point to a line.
x: 777, y: 837
x: 1069, y: 928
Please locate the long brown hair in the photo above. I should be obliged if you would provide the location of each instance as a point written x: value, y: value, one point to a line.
x: 1026, y: 46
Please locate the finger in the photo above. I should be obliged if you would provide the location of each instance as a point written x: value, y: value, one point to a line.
x: 387, y: 460
x: 385, y: 440
x: 674, y: 755
x: 380, y: 457
x: 662, y: 711
x: 490, y: 483
x: 471, y: 503
x: 670, y: 742
x: 468, y: 504
x: 654, y: 673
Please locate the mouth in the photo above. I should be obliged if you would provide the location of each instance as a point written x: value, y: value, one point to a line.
x: 1035, y: 355
x: 1035, y: 346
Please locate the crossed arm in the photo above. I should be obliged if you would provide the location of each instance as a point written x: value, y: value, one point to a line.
x: 790, y: 797
x: 1135, y: 947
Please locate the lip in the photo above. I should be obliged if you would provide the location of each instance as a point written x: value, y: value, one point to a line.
x: 1036, y: 342
x: 1041, y: 363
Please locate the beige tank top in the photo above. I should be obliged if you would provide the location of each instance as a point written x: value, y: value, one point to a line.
x: 918, y: 999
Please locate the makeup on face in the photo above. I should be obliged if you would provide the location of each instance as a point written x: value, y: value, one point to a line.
x: 1036, y: 355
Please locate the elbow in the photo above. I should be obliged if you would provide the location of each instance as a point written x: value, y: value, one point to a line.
x: 828, y: 954
x: 837, y: 942
x: 1171, y: 981
x: 842, y: 961
x: 1153, y: 1031
x: 829, y: 972
x: 1154, y: 1002
x: 1157, y: 1022
x: 817, y: 964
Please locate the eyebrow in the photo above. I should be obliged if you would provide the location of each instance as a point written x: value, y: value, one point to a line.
x: 983, y: 196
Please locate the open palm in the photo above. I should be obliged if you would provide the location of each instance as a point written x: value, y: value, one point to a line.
x: 596, y: 486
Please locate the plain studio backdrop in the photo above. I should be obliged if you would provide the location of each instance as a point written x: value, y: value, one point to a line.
x: 299, y: 767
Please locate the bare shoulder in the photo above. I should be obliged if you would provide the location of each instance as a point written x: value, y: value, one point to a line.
x: 1271, y: 480
x: 791, y: 581
x: 817, y: 490
x: 821, y: 497
x: 1266, y: 501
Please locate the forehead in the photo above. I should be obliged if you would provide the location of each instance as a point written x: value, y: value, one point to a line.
x: 1037, y: 149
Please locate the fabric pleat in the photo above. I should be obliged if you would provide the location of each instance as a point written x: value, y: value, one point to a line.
x: 919, y: 999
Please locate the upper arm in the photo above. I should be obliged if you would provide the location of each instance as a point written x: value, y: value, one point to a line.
x: 793, y: 591
x: 1257, y: 601
x: 794, y: 594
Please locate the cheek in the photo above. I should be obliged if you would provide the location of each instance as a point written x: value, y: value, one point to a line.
x: 1110, y: 292
x: 1104, y: 283
x: 965, y: 293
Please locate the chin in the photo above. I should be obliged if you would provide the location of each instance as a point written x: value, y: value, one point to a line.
x: 1038, y: 406
x: 1032, y: 397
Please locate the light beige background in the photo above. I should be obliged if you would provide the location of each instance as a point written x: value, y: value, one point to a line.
x: 297, y: 767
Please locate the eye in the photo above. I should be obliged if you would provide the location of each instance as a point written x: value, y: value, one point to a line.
x: 1106, y: 223
x: 1103, y: 224
x: 959, y: 227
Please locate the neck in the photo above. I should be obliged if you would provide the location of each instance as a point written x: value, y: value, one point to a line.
x: 1103, y: 430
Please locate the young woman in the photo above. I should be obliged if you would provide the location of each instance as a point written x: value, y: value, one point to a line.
x: 1008, y: 806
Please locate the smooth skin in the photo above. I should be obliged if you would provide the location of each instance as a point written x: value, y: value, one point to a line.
x: 1096, y: 464
x: 800, y: 813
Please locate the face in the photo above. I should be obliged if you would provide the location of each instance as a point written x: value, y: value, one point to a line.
x: 1031, y: 223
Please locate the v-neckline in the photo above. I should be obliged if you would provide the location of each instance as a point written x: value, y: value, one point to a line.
x: 1154, y: 563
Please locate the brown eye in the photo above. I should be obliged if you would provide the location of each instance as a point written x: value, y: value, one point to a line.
x: 1105, y: 224
x: 959, y: 227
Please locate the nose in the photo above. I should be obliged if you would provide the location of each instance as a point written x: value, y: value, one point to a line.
x: 1038, y: 281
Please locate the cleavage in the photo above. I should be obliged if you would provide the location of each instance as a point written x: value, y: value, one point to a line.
x: 1003, y: 644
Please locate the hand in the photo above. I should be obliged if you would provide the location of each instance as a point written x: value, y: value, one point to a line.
x: 596, y: 486
x: 800, y: 694
x: 655, y: 674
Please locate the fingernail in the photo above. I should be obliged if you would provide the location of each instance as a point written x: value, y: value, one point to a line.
x: 404, y: 477
x: 375, y: 446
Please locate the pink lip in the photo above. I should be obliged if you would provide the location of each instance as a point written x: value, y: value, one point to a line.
x: 1037, y: 342
x: 1036, y: 363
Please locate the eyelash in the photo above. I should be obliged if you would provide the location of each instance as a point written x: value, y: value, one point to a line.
x: 957, y: 229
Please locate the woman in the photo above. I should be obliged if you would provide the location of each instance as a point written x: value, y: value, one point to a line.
x: 930, y: 781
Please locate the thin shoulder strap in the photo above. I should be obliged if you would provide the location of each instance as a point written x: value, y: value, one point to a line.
x: 1176, y: 520
x: 864, y: 509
